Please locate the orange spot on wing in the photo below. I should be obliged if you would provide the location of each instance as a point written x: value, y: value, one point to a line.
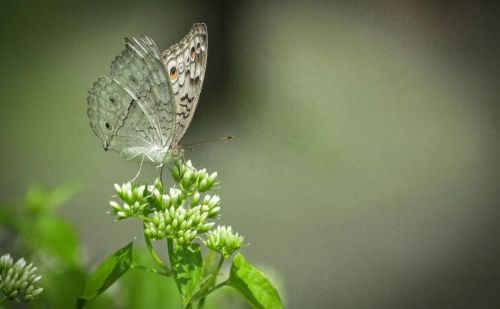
x: 193, y: 52
x: 173, y: 73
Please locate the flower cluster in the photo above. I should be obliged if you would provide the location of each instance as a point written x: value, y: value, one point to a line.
x: 142, y: 200
x: 224, y: 241
x: 181, y: 213
x: 183, y: 224
x: 18, y: 280
x: 191, y: 179
x: 134, y: 200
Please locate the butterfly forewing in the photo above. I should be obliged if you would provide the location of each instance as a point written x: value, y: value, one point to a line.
x: 186, y: 63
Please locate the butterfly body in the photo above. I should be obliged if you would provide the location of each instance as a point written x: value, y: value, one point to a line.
x: 144, y: 107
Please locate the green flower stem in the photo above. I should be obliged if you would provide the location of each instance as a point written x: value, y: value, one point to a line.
x: 3, y: 299
x: 170, y: 248
x: 205, y: 289
x: 218, y: 286
x: 204, y: 295
x: 201, y: 303
x: 151, y: 270
x: 171, y: 258
x: 214, y: 275
x: 143, y: 218
x: 156, y: 257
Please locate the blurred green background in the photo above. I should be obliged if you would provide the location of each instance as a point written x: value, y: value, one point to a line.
x: 365, y: 173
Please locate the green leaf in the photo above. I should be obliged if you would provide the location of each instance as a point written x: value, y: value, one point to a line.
x: 107, y: 273
x: 253, y: 284
x: 188, y: 270
x: 55, y: 236
x: 40, y: 199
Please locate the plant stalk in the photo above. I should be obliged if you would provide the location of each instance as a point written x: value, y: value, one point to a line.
x: 156, y: 257
x: 205, y: 289
x: 171, y: 258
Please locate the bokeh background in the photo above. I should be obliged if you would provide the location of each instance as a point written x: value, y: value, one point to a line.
x: 365, y: 173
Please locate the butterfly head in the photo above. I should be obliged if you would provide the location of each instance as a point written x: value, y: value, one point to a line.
x: 176, y: 151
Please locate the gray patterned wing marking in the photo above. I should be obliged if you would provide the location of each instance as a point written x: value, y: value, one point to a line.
x: 186, y: 63
x: 132, y: 110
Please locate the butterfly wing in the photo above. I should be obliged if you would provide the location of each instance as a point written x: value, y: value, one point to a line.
x: 186, y: 63
x: 132, y: 110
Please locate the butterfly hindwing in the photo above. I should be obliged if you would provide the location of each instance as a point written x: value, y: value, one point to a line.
x: 141, y: 119
x: 107, y: 108
x: 186, y: 64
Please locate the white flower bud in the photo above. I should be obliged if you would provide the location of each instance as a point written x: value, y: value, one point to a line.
x: 211, y: 178
x: 214, y: 201
x: 203, y: 185
x: 126, y: 207
x: 206, y: 199
x: 37, y: 292
x: 115, y: 205
x: 214, y: 211
x: 165, y: 199
x: 196, y: 199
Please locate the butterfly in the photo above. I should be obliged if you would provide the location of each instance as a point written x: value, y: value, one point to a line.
x: 144, y: 107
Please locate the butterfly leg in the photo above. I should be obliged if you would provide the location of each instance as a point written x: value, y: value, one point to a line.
x: 138, y: 172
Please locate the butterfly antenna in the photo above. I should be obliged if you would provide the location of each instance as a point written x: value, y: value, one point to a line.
x: 226, y: 138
